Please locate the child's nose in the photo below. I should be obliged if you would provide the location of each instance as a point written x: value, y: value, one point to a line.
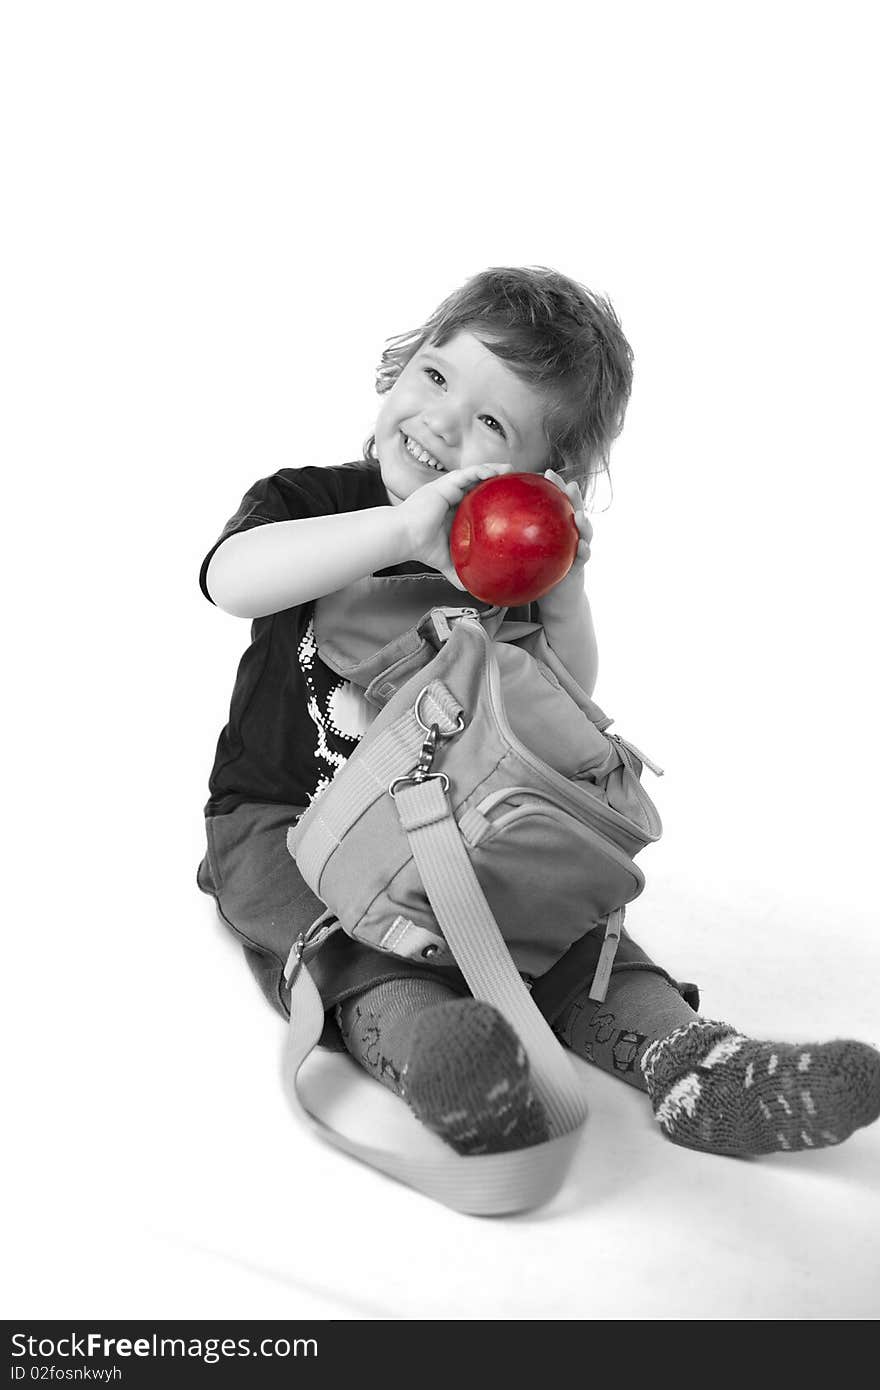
x: 441, y: 420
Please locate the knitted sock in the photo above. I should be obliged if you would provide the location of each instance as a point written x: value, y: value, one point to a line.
x: 456, y: 1062
x: 467, y: 1079
x: 715, y: 1090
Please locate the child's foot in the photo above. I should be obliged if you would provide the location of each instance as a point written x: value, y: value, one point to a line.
x: 467, y: 1079
x: 713, y: 1089
x: 457, y: 1063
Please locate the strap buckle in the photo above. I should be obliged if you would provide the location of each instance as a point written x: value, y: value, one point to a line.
x: 321, y: 928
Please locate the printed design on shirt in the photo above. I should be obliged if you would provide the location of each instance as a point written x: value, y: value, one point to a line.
x: 336, y: 707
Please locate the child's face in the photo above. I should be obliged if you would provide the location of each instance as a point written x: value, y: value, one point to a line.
x: 463, y: 406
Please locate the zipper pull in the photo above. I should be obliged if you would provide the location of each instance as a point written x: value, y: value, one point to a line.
x: 453, y: 613
x: 442, y: 616
x: 642, y: 757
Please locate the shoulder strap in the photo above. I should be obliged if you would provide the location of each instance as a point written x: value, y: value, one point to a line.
x: 485, y: 1184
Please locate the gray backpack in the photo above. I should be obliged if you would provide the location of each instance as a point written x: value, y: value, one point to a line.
x: 486, y: 820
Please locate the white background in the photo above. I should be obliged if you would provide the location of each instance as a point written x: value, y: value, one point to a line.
x: 215, y: 215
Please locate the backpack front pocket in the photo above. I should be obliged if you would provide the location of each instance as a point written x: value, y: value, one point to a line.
x: 582, y: 806
x: 576, y: 875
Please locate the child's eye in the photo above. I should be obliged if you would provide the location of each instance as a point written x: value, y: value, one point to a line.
x: 432, y: 373
x: 494, y: 425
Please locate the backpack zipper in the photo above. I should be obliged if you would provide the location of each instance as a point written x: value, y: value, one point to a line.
x: 596, y: 810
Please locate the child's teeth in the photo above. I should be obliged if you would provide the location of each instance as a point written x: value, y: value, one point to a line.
x: 422, y: 455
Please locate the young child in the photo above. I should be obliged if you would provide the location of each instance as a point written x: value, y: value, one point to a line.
x: 520, y: 370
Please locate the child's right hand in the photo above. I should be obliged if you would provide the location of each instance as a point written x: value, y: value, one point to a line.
x: 429, y: 512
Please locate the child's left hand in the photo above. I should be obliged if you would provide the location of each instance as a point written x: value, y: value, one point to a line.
x: 574, y: 580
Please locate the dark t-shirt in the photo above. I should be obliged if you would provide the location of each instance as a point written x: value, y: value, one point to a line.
x: 292, y: 721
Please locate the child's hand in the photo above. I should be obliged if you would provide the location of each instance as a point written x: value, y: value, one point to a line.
x: 573, y: 583
x: 429, y: 512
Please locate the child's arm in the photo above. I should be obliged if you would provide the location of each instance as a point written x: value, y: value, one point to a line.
x: 570, y: 634
x: 565, y: 611
x: 281, y: 564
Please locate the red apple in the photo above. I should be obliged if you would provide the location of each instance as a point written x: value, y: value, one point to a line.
x: 513, y: 537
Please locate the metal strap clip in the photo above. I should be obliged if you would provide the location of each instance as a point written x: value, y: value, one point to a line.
x: 422, y: 770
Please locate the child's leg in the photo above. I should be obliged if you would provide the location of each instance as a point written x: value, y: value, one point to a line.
x: 640, y: 1006
x: 713, y: 1089
x: 456, y: 1062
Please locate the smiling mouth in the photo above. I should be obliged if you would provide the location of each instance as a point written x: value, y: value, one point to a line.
x: 415, y: 451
